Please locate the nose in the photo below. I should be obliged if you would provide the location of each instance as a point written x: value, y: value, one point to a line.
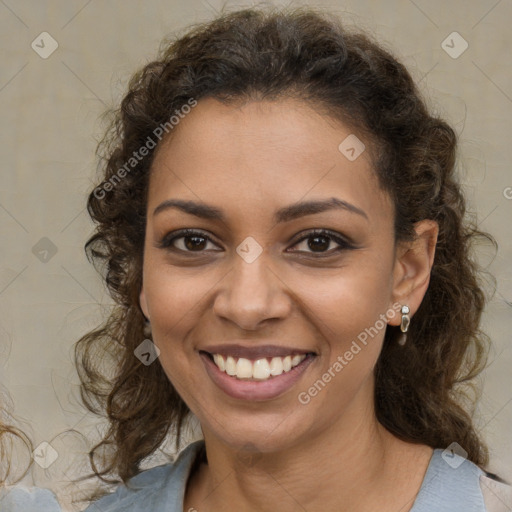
x: 251, y: 294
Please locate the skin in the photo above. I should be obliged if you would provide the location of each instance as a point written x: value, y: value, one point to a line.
x: 250, y: 160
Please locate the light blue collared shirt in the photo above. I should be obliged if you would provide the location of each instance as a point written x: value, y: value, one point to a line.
x: 445, y: 488
x: 25, y: 499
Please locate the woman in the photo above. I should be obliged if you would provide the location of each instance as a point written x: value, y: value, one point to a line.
x: 284, y: 236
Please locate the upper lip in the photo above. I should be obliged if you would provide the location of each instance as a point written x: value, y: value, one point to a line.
x: 254, y: 352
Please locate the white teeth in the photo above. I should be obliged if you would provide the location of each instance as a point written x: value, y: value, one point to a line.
x: 244, y: 368
x: 276, y: 366
x: 296, y: 360
x: 230, y: 366
x: 260, y: 369
x: 219, y: 361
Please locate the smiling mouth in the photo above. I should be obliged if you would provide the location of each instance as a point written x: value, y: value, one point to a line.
x: 260, y: 369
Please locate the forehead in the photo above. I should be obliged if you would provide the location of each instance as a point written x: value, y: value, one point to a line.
x: 263, y: 154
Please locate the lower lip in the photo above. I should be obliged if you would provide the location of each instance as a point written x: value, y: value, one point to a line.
x: 254, y: 389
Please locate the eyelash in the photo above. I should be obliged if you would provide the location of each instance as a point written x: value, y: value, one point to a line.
x: 167, y: 241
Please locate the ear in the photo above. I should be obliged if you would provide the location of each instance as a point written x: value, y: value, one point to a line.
x: 143, y: 303
x: 413, y: 263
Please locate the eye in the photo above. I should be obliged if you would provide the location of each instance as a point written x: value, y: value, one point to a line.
x: 320, y: 241
x: 316, y: 241
x: 187, y: 240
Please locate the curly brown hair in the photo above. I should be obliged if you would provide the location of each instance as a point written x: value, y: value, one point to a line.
x: 12, y: 441
x: 268, y: 53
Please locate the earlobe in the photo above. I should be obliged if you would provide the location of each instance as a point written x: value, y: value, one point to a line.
x: 143, y: 303
x: 413, y: 264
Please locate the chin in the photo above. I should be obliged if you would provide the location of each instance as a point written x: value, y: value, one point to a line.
x: 265, y: 433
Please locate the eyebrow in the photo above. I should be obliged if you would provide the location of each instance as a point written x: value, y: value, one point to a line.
x: 285, y: 214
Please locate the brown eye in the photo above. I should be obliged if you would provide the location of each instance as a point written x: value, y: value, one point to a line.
x: 194, y: 242
x: 321, y: 242
x: 187, y: 241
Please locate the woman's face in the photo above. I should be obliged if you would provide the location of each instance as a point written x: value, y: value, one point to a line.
x: 254, y: 282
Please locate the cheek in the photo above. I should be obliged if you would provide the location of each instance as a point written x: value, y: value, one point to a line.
x: 174, y: 295
x: 346, y: 315
x: 175, y: 304
x: 343, y: 303
x: 344, y: 311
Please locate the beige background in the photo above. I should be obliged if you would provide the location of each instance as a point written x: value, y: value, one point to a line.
x: 50, y: 122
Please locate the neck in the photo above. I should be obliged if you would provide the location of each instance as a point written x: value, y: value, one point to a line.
x: 347, y: 467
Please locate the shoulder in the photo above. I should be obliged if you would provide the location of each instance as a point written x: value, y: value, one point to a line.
x: 156, y: 489
x: 451, y: 484
x: 28, y: 499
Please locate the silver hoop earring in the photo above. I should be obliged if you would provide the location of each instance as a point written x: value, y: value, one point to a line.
x: 404, y: 325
